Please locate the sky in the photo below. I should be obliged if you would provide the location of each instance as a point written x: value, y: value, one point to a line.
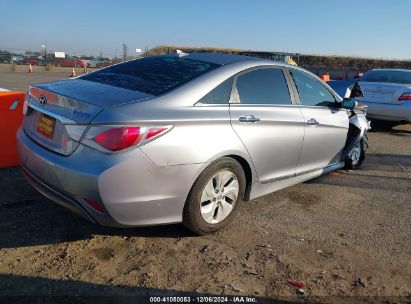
x: 365, y: 28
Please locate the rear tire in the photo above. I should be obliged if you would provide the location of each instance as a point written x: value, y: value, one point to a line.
x: 215, y: 197
x: 356, y: 157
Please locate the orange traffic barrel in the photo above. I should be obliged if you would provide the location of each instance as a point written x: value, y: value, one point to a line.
x: 325, y: 77
x: 11, y: 116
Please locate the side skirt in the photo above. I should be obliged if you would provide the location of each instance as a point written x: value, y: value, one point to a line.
x: 260, y: 189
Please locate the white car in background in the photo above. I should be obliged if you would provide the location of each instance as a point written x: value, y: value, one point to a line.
x: 94, y: 63
x: 387, y: 93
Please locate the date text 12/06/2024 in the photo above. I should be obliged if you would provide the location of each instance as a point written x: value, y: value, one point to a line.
x: 203, y: 299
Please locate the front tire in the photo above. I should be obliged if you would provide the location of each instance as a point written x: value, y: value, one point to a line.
x: 356, y: 156
x: 215, y: 197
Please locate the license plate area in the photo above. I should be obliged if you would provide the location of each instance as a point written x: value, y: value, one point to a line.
x: 46, y: 126
x: 375, y: 96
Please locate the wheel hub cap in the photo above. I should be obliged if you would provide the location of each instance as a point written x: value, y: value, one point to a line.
x: 219, y: 197
x: 355, y: 154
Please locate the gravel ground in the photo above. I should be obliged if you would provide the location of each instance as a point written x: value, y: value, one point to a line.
x: 345, y: 235
x: 20, y: 79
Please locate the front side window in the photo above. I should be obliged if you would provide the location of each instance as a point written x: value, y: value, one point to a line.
x: 263, y: 86
x: 219, y: 95
x: 311, y: 91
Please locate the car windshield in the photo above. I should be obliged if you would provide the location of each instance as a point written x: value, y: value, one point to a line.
x: 151, y: 75
x: 401, y: 77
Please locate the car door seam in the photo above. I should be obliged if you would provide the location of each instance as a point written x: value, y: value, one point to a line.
x: 248, y: 153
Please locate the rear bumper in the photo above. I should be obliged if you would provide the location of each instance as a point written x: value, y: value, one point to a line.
x: 133, y: 190
x: 391, y: 112
x: 56, y: 196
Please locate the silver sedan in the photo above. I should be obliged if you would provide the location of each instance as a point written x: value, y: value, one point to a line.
x: 182, y: 138
x: 387, y: 93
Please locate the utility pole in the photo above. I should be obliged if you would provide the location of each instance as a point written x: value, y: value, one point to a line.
x: 124, y: 52
x: 45, y: 53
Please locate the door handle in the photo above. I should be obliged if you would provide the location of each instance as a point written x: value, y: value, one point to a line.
x: 249, y: 118
x: 312, y: 122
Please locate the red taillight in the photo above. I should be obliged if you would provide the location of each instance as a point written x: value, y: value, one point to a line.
x: 117, y: 139
x: 405, y: 96
x: 154, y: 132
x: 95, y: 205
x: 113, y: 139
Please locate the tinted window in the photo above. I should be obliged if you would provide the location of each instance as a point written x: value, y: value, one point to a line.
x: 401, y: 77
x: 263, y: 86
x: 311, y: 91
x: 152, y: 75
x: 220, y: 95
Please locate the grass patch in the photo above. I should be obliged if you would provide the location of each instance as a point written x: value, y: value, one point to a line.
x: 48, y: 67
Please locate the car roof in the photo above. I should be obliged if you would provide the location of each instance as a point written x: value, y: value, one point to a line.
x: 392, y: 70
x: 216, y: 58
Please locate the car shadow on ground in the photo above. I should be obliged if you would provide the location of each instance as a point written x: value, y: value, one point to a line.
x: 379, y: 171
x: 25, y: 289
x: 400, y: 132
x: 39, y: 290
x: 29, y: 219
x: 389, y: 127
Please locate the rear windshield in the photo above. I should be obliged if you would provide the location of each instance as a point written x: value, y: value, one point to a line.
x: 401, y: 77
x: 151, y: 75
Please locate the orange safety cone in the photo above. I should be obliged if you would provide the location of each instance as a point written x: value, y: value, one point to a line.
x: 73, y: 73
x: 325, y: 77
x: 30, y: 69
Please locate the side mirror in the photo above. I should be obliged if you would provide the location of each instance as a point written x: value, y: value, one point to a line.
x: 349, y: 103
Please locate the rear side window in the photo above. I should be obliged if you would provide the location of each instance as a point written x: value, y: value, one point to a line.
x: 263, y: 86
x: 219, y: 95
x: 311, y: 91
x: 151, y: 75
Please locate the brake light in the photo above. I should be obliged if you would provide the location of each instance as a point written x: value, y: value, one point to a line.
x: 120, y: 138
x: 154, y: 132
x: 405, y: 96
x: 95, y: 205
x: 117, y: 139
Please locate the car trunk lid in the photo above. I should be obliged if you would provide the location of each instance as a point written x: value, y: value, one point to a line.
x: 58, y: 113
x: 377, y: 92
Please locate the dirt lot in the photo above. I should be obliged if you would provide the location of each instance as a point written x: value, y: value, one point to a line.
x: 20, y: 80
x: 344, y: 234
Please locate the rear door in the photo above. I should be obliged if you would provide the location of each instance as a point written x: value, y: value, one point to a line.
x: 268, y: 123
x: 325, y: 125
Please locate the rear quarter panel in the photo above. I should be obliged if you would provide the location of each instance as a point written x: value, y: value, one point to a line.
x: 204, y: 135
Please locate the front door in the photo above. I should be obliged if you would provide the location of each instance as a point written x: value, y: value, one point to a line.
x: 326, y: 126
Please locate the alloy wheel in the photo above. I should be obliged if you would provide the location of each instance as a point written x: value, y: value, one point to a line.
x: 219, y: 197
